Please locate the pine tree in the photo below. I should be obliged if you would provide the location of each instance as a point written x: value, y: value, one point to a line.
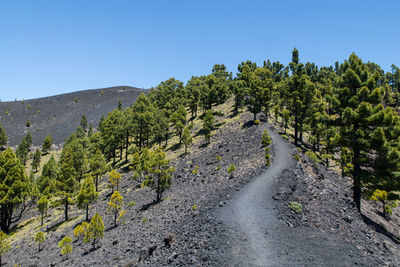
x: 160, y: 172
x: 80, y: 230
x: 46, y: 147
x: 23, y: 149
x: 95, y: 230
x: 285, y: 117
x: 66, y: 183
x: 97, y: 166
x: 3, y: 137
x: 90, y: 131
x: 39, y: 238
x: 186, y: 138
x: 115, y: 206
x: 208, y: 122
x: 178, y: 119
x: 84, y: 123
x: 359, y: 98
x: 43, y: 205
x: 46, y: 182
x: 65, y: 245
x: 4, y: 245
x: 79, y: 157
x: 15, y: 187
x: 114, y: 179
x: 87, y: 195
x: 36, y: 160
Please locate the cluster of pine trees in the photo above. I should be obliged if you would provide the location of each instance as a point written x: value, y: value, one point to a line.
x: 346, y: 112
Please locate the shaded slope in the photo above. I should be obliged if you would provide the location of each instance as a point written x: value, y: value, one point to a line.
x: 60, y: 115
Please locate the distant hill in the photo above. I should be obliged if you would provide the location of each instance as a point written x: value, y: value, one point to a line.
x: 60, y: 115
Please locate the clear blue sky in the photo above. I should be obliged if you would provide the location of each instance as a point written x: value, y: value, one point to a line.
x: 52, y: 47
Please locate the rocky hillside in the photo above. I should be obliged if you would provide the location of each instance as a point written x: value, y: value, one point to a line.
x: 60, y: 115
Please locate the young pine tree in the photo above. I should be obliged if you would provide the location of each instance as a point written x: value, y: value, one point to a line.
x: 186, y: 138
x: 115, y: 206
x: 36, y: 160
x: 97, y: 166
x: 46, y: 147
x: 65, y: 245
x: 208, y: 122
x: 114, y: 179
x: 95, y: 230
x: 43, y: 205
x: 160, y: 172
x: 87, y: 195
x: 3, y: 137
x: 39, y: 238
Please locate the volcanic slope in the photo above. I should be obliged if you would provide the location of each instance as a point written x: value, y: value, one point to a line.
x: 60, y: 115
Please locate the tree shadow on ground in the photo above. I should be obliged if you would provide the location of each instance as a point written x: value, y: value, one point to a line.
x: 54, y: 227
x: 147, y: 206
x: 380, y: 229
x: 174, y: 147
x: 247, y: 124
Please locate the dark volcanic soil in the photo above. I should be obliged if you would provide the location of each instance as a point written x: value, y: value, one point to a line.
x: 60, y: 115
x: 185, y: 229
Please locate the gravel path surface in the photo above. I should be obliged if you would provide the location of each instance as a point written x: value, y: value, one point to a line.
x: 258, y: 238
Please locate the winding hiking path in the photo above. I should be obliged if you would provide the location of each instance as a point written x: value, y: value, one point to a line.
x: 258, y: 238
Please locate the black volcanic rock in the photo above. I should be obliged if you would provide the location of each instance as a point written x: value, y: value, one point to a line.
x: 60, y: 115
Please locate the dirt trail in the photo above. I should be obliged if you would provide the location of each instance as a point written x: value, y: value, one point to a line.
x: 258, y: 238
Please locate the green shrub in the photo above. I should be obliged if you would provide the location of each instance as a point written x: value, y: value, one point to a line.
x: 28, y: 106
x: 295, y: 206
x: 296, y: 157
x: 313, y: 157
x: 28, y: 123
x: 76, y: 100
x: 196, y: 169
x: 131, y: 203
x: 102, y: 93
x: 285, y: 137
x: 144, y: 220
x: 194, y: 207
x: 256, y: 122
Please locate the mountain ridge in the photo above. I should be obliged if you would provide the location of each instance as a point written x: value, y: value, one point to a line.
x: 59, y: 115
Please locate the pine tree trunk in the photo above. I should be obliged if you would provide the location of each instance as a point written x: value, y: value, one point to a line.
x: 127, y: 146
x: 97, y: 182
x: 94, y: 244
x: 42, y: 219
x: 66, y: 209
x: 87, y: 212
x: 158, y: 190
x: 301, y: 132
x: 115, y: 219
x: 185, y: 149
x: 296, y: 129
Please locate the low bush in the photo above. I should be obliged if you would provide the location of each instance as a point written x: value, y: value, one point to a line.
x: 296, y: 207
